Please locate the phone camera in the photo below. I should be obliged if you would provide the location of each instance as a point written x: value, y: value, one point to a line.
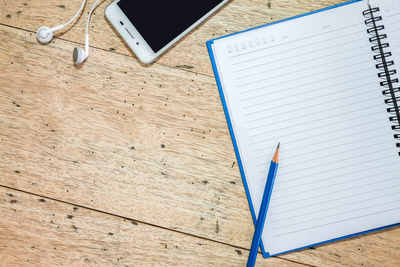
x: 137, y: 43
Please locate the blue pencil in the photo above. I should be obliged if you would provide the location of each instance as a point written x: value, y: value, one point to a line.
x: 263, y: 209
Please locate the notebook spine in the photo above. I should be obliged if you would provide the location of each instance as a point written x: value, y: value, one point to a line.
x: 385, y: 65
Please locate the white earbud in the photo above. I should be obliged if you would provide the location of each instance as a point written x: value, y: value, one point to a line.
x: 45, y: 34
x: 80, y: 55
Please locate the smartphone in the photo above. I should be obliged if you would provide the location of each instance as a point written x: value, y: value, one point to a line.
x: 150, y: 27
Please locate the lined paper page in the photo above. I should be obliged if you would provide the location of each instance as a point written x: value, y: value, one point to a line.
x: 311, y: 84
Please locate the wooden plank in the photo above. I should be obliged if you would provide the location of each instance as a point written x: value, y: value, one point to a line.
x: 146, y: 144
x: 191, y: 53
x: 160, y: 155
x: 42, y: 232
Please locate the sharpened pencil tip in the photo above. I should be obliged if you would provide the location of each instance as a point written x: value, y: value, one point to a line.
x: 276, y: 155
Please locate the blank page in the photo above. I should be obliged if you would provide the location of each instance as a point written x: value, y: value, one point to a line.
x: 311, y: 84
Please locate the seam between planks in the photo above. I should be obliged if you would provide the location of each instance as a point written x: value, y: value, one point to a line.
x: 142, y: 222
x: 113, y: 214
x: 108, y: 51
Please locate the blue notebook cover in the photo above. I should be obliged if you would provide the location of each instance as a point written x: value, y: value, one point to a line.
x: 215, y: 69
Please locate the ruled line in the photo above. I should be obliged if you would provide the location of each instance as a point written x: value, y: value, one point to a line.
x: 310, y: 68
x: 269, y: 93
x: 308, y: 99
x: 306, y: 76
x: 334, y: 207
x: 308, y: 83
x: 338, y: 191
x: 307, y: 145
x: 336, y: 214
x: 281, y: 210
x: 344, y: 220
x: 324, y: 164
x: 332, y: 185
x: 281, y: 181
x: 311, y: 129
x: 323, y: 119
x: 321, y: 104
x: 282, y: 158
x: 347, y: 219
x: 280, y: 189
x: 345, y: 144
x: 337, y: 130
x: 312, y: 121
x: 300, y: 55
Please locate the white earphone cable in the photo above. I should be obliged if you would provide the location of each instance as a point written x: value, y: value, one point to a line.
x: 71, y: 20
x: 90, y: 14
x: 87, y: 26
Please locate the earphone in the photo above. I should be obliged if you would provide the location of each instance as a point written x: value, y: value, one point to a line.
x: 45, y: 34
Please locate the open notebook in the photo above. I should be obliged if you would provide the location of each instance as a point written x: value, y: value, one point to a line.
x: 325, y: 86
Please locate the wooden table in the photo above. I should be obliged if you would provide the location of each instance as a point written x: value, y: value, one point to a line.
x: 117, y: 163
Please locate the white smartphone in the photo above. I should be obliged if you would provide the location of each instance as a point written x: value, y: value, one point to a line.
x: 150, y: 27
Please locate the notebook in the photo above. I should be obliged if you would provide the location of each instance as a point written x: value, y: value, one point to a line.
x: 325, y: 86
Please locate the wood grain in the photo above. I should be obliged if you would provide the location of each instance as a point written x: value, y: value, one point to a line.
x: 190, y: 53
x: 124, y: 139
x: 146, y: 143
x: 42, y: 232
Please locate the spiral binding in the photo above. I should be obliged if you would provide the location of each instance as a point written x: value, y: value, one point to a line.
x: 383, y: 57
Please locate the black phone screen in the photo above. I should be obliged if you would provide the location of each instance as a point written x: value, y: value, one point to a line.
x: 159, y: 22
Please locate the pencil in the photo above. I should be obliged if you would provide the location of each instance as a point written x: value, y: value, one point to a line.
x: 263, y: 209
